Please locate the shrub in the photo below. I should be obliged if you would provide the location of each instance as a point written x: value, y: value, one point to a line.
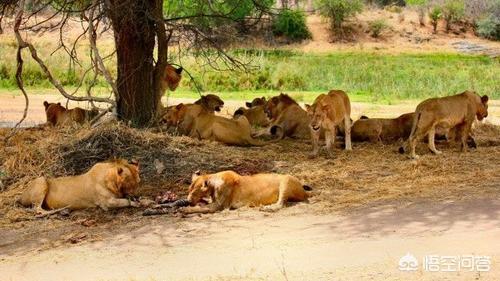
x: 489, y: 27
x: 377, y: 26
x: 435, y: 14
x: 292, y: 24
x: 337, y: 11
x: 453, y: 11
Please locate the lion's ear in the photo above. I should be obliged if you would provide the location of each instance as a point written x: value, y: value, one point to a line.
x: 179, y: 70
x: 46, y: 104
x: 134, y: 162
x: 484, y: 99
x: 179, y: 106
x: 119, y: 171
x: 195, y: 175
x: 308, y: 107
x: 58, y: 103
x: 248, y: 104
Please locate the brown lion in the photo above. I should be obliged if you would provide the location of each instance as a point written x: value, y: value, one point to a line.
x: 255, y: 115
x: 327, y: 113
x: 287, y: 117
x: 104, y: 185
x: 236, y: 131
x: 182, y: 116
x: 256, y: 102
x: 229, y: 190
x: 382, y: 129
x: 458, y: 111
x: 171, y: 79
x: 57, y: 115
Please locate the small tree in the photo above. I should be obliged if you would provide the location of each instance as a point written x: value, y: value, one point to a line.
x: 292, y: 24
x: 338, y: 11
x: 453, y: 11
x: 377, y: 26
x: 421, y: 6
x: 435, y: 14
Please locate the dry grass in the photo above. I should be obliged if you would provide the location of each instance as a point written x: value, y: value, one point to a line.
x: 371, y: 174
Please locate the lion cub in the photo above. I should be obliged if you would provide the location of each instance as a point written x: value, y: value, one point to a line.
x: 229, y: 190
x: 104, y: 185
x: 327, y: 113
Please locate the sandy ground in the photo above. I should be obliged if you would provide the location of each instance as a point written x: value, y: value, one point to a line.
x: 250, y: 245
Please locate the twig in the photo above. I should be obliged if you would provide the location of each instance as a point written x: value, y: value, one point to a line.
x: 50, y: 213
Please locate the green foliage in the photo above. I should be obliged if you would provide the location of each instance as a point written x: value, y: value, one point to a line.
x: 489, y: 27
x: 435, y: 15
x: 377, y: 27
x: 292, y: 24
x: 337, y: 11
x: 453, y: 11
x: 211, y: 14
x: 416, y: 2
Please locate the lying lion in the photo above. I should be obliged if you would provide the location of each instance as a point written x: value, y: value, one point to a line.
x: 256, y: 102
x: 57, y: 115
x: 255, y: 115
x: 458, y: 111
x: 182, y: 116
x: 382, y: 129
x: 229, y: 190
x: 287, y: 117
x: 236, y: 131
x: 104, y: 185
x: 327, y: 113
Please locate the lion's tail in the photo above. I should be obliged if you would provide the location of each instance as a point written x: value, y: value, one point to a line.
x: 416, y: 119
x: 307, y: 187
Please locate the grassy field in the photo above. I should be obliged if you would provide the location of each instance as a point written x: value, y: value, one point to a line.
x: 366, y: 76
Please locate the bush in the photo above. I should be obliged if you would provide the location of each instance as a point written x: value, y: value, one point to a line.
x: 337, y: 11
x: 489, y: 28
x: 292, y: 24
x: 453, y: 11
x: 435, y: 14
x: 377, y: 26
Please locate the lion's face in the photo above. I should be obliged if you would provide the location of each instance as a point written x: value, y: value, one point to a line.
x: 174, y: 114
x: 173, y: 77
x: 211, y: 102
x: 198, y: 189
x: 482, y: 108
x: 317, y: 114
x: 271, y: 107
x: 123, y: 177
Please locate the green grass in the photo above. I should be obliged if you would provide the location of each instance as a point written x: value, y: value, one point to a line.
x: 366, y: 76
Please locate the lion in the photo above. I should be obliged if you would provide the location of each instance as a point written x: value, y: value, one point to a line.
x: 382, y: 129
x: 288, y: 117
x: 457, y: 111
x: 57, y: 115
x: 182, y: 116
x: 256, y: 102
x: 236, y: 131
x: 229, y: 190
x: 171, y: 79
x: 327, y: 113
x: 255, y: 115
x: 104, y: 186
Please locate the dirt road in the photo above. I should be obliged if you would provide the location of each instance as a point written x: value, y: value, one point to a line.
x: 250, y: 245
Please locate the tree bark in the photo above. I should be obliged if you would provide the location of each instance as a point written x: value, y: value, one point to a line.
x: 134, y: 33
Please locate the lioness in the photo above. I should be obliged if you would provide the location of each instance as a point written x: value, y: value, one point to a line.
x: 57, y: 115
x: 256, y: 102
x: 104, y: 185
x: 171, y: 79
x: 288, y: 117
x: 255, y: 115
x: 382, y: 129
x: 235, y: 131
x: 182, y: 116
x: 229, y: 190
x: 327, y: 113
x: 454, y: 111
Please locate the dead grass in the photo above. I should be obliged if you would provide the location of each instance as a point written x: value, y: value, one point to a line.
x: 372, y: 174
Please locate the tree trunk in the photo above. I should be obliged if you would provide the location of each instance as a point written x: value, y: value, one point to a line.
x: 134, y: 33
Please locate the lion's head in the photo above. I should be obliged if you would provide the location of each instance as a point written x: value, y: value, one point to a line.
x: 200, y: 188
x: 53, y: 111
x: 276, y: 104
x: 173, y: 77
x: 210, y: 102
x: 318, y: 112
x: 482, y: 108
x: 174, y: 114
x: 122, y: 176
x: 256, y: 102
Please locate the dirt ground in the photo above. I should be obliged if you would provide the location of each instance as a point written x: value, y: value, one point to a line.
x: 368, y: 208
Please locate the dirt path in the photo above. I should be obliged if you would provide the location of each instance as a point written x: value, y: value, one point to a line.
x: 250, y: 245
